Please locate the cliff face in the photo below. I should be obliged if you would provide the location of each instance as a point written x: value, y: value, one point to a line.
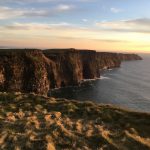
x: 26, y: 71
x: 39, y: 71
x: 108, y: 60
x: 68, y: 64
x: 89, y: 64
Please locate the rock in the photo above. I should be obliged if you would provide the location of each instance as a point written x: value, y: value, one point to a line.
x: 37, y: 71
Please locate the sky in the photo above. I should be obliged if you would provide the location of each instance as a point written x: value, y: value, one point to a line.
x: 102, y: 25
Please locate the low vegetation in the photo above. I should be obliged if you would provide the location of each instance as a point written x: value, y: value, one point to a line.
x: 32, y: 122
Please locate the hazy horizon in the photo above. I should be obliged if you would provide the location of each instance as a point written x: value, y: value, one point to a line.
x: 110, y: 25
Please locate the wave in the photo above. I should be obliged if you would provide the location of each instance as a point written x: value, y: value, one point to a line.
x: 86, y: 80
x: 103, y: 77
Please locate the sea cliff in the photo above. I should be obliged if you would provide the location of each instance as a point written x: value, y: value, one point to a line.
x: 38, y: 71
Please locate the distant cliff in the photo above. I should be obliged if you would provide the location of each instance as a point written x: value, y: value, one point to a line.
x: 108, y: 60
x: 128, y: 57
x: 33, y: 70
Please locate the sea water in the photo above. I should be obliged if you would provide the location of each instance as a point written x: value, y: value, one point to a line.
x: 127, y: 86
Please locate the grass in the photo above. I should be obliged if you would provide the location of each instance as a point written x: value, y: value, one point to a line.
x: 29, y: 121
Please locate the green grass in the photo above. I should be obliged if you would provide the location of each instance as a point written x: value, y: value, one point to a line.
x: 29, y: 121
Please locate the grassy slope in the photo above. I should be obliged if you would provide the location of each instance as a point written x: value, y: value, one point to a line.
x: 28, y: 121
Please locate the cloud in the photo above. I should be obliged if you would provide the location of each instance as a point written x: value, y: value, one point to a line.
x: 62, y: 30
x: 140, y: 25
x: 36, y: 26
x: 27, y: 1
x: 42, y: 1
x: 64, y: 34
x: 115, y: 10
x: 140, y: 21
x: 52, y: 30
x: 111, y: 41
x: 7, y: 12
x: 64, y: 7
x: 85, y: 20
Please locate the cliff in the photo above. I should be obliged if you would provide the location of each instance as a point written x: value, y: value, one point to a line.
x: 108, y: 60
x: 129, y: 57
x: 35, y: 122
x: 33, y: 70
x: 26, y: 71
x: 68, y: 64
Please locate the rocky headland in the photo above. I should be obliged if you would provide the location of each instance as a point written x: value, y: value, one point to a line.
x: 38, y: 71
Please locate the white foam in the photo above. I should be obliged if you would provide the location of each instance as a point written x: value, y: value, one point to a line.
x: 103, y: 77
x: 87, y: 80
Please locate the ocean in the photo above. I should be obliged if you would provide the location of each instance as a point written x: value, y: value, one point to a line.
x: 127, y: 86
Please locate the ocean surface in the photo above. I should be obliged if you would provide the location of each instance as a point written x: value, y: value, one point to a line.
x: 127, y: 86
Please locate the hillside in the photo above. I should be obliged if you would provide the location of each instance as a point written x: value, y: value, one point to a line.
x: 29, y: 121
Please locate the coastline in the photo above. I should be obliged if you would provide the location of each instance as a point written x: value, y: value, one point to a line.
x: 34, y: 70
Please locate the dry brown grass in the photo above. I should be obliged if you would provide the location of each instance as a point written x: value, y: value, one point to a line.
x: 29, y: 121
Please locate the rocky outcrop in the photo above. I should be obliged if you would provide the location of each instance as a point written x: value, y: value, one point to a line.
x: 39, y: 71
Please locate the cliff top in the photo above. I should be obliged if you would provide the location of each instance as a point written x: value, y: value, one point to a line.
x: 64, y: 50
x: 56, y: 51
x: 18, y: 50
x: 29, y: 121
x: 10, y: 51
x: 59, y: 50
